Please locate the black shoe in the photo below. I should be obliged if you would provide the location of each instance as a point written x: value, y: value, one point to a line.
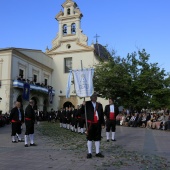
x: 89, y: 155
x: 99, y: 155
x: 33, y: 144
x: 114, y: 140
x: 21, y: 140
x: 26, y: 145
x: 107, y: 140
x: 14, y: 141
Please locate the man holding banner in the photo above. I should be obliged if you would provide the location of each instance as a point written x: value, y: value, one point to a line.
x: 95, y: 119
x: 93, y: 111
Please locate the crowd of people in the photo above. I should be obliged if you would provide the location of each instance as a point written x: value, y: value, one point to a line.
x: 34, y: 82
x: 159, y: 120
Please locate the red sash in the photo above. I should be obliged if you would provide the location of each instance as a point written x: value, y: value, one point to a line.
x: 14, y: 121
x: 95, y: 118
x: 112, y: 116
x: 27, y: 118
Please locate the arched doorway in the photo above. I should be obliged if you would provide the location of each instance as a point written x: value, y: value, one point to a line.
x: 67, y: 104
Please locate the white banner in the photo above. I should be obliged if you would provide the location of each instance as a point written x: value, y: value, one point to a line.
x: 83, y: 80
x: 68, y: 85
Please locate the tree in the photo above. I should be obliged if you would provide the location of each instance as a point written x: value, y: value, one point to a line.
x: 133, y: 80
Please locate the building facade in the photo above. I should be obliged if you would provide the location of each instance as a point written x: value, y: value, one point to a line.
x: 70, y: 51
x: 18, y: 66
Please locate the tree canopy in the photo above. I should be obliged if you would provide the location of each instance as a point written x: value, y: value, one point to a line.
x: 133, y: 81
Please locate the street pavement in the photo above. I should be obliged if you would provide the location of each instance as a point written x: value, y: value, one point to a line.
x: 139, y: 141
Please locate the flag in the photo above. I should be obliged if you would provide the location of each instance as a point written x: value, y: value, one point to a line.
x: 50, y: 94
x: 68, y: 85
x: 83, y: 80
x: 26, y: 91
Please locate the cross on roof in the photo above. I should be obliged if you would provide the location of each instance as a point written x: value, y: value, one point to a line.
x: 96, y: 36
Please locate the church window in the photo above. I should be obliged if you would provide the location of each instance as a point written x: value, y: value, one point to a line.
x: 68, y: 11
x: 73, y: 28
x: 68, y: 46
x: 21, y: 73
x: 45, y: 82
x: 34, y: 78
x: 67, y: 64
x: 64, y: 29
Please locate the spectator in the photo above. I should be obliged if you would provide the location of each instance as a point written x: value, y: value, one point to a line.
x: 133, y: 119
x: 144, y: 120
x: 127, y: 119
x: 156, y: 125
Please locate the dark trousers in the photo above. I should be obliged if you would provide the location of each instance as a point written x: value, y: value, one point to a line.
x: 29, y: 127
x: 16, y: 128
x: 82, y: 123
x: 94, y: 132
x: 110, y: 125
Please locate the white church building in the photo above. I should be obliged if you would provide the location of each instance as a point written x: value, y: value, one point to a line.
x: 70, y: 51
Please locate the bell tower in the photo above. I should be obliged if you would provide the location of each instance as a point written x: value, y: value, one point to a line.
x: 69, y: 20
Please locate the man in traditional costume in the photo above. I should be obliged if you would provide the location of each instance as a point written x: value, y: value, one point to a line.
x: 95, y: 119
x: 111, y: 111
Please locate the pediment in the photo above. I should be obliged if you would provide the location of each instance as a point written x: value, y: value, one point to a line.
x: 62, y: 48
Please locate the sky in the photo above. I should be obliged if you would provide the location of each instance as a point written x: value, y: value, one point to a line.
x: 123, y: 25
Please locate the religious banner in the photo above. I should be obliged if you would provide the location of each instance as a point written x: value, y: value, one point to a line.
x: 50, y: 94
x: 26, y: 91
x: 68, y: 85
x: 83, y: 80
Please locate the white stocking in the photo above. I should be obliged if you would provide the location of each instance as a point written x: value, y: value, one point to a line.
x: 89, y: 146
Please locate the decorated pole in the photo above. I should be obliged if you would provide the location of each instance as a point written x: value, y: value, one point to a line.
x: 85, y: 105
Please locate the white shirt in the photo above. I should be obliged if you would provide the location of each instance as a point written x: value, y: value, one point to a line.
x: 94, y: 105
x: 112, y: 109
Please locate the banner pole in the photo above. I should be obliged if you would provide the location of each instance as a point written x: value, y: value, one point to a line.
x: 85, y: 104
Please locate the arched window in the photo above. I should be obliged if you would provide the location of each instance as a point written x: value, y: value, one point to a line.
x: 73, y: 28
x: 68, y: 11
x: 64, y: 29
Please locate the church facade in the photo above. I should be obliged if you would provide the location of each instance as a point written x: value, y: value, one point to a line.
x: 70, y: 51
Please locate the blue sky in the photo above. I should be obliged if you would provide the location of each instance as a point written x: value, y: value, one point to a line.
x: 123, y: 25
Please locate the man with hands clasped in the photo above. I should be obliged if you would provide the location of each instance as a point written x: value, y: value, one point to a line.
x: 95, y: 121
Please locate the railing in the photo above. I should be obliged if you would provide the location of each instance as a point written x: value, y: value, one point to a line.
x: 20, y: 84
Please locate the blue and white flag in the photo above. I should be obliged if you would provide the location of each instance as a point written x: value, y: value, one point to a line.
x: 68, y: 85
x: 83, y: 80
x: 26, y: 91
x: 50, y: 94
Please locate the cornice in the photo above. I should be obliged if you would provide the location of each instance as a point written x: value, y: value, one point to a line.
x: 31, y: 60
x: 69, y: 52
x: 68, y: 17
x: 58, y: 15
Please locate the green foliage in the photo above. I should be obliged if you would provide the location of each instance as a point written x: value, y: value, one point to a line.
x: 137, y: 83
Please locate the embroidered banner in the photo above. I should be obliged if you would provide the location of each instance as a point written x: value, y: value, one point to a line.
x: 83, y: 80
